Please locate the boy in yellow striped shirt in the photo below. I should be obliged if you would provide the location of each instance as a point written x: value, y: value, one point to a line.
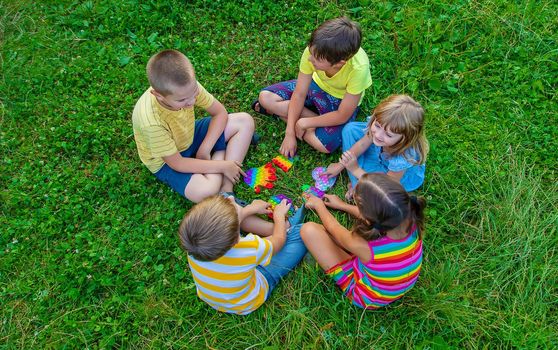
x: 196, y: 158
x: 232, y: 273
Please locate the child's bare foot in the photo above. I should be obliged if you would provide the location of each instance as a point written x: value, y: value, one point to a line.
x: 350, y: 192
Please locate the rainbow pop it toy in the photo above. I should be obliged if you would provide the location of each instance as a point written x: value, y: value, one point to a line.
x: 263, y: 176
x: 276, y: 200
x: 283, y: 162
x: 313, y: 190
x: 323, y: 183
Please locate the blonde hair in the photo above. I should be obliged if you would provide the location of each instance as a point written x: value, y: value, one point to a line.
x: 169, y: 69
x: 403, y: 115
x: 209, y: 229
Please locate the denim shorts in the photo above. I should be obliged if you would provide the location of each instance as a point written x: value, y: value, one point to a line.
x: 177, y: 180
x: 318, y: 101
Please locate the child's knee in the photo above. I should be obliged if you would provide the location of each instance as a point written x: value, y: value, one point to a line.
x: 199, y: 192
x: 308, y: 230
x: 267, y: 98
x: 246, y: 121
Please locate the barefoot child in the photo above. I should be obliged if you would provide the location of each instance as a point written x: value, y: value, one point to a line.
x: 392, y: 142
x: 232, y: 273
x: 196, y: 158
x: 334, y: 72
x: 380, y: 259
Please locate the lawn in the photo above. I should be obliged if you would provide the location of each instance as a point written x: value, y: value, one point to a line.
x: 89, y: 254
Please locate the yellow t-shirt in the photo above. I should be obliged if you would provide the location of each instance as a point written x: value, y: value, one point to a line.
x: 232, y: 283
x: 354, y: 77
x: 160, y: 132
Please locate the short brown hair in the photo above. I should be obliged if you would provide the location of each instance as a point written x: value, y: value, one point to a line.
x: 336, y: 40
x: 169, y: 69
x: 209, y: 229
x: 384, y: 204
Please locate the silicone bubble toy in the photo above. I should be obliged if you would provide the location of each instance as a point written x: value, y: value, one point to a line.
x: 263, y: 176
x: 275, y: 200
x: 283, y: 162
x: 313, y: 190
x: 323, y: 183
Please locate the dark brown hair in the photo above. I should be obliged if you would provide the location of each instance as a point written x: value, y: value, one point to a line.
x: 335, y: 40
x: 384, y: 205
x: 209, y: 229
x: 169, y: 69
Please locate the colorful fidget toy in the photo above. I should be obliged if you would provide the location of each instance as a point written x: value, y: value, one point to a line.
x: 313, y: 190
x: 276, y: 200
x: 262, y: 176
x: 322, y: 181
x: 283, y: 162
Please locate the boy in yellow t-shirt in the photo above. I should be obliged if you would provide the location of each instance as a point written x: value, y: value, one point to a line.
x: 334, y: 72
x: 196, y: 158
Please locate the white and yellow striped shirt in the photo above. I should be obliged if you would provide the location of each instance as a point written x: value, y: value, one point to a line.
x: 232, y: 283
x: 160, y: 132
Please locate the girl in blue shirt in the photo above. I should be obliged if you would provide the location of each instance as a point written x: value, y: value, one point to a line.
x: 392, y: 142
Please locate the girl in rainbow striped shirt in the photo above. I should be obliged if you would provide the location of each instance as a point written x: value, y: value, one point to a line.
x: 380, y: 259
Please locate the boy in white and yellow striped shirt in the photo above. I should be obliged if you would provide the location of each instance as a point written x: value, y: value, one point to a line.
x: 196, y: 158
x: 232, y: 273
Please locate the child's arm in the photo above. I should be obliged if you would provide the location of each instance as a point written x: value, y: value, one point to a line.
x: 229, y: 168
x: 334, y: 202
x: 338, y: 117
x: 288, y: 147
x: 279, y: 235
x: 357, y: 149
x: 353, y: 243
x: 257, y: 206
x: 219, y: 119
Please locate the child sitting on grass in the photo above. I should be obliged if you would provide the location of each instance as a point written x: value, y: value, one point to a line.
x: 380, y: 259
x: 232, y: 273
x: 392, y: 142
x: 334, y: 72
x: 196, y: 158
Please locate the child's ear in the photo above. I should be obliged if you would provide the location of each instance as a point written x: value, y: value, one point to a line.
x: 340, y: 64
x: 156, y: 94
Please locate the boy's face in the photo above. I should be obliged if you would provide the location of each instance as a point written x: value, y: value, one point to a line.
x: 323, y: 64
x: 181, y: 96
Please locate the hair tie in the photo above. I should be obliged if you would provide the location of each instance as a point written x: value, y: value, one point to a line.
x: 414, y: 200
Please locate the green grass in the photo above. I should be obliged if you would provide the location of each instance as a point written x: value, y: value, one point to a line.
x: 89, y: 256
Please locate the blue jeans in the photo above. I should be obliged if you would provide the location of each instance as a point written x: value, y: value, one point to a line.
x: 286, y: 260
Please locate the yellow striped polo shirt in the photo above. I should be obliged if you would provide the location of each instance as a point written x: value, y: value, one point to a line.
x: 232, y: 283
x: 160, y: 132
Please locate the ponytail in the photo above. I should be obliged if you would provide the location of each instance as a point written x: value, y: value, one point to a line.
x: 417, y: 212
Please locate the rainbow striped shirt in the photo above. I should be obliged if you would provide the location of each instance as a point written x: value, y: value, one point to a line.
x: 232, y: 283
x: 392, y: 271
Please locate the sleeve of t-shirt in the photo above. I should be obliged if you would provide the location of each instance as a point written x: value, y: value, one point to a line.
x: 204, y: 98
x: 158, y: 141
x: 359, y: 80
x: 264, y: 251
x: 398, y: 163
x: 305, y: 66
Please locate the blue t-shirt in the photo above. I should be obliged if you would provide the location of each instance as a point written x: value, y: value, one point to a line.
x: 414, y: 173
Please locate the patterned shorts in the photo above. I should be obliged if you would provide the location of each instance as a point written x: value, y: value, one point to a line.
x: 319, y: 101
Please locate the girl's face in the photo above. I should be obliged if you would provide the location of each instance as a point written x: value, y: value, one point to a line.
x: 383, y: 137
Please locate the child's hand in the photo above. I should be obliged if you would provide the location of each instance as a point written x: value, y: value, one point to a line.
x: 311, y: 201
x: 260, y: 207
x: 349, y: 161
x: 300, y: 128
x: 232, y: 170
x: 203, y: 154
x: 288, y: 147
x: 333, y: 201
x: 334, y: 169
x: 281, y: 210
